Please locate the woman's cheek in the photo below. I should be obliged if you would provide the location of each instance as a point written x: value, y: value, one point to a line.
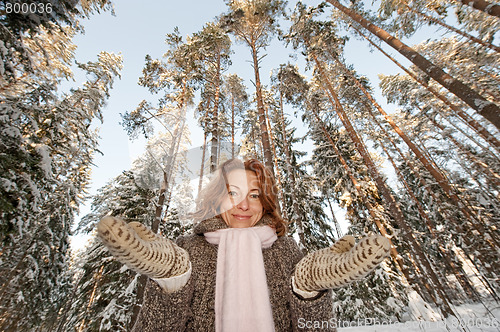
x: 226, y: 205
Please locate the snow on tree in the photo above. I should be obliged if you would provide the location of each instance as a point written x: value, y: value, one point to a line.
x: 237, y: 102
x: 253, y: 22
x: 104, y: 289
x: 46, y: 152
x: 426, y: 175
x: 210, y: 49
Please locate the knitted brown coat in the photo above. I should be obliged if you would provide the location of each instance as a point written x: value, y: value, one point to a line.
x: 192, y: 308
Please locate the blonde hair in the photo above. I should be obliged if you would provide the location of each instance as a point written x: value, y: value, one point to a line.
x: 209, y: 201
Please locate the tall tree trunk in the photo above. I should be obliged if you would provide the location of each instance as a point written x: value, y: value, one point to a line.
x: 277, y: 174
x: 205, y: 135
x: 492, y: 176
x: 202, y: 167
x: 371, y: 209
x: 167, y: 171
x: 215, y: 121
x: 97, y: 278
x: 429, y: 18
x: 291, y: 174
x: 487, y: 109
x: 394, y: 209
x: 136, y: 309
x: 266, y: 144
x: 482, y: 5
x: 428, y: 164
x: 334, y: 219
x: 476, y: 126
x: 232, y: 126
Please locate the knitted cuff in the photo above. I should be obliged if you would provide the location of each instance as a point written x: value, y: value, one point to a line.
x: 173, y: 284
x: 304, y: 294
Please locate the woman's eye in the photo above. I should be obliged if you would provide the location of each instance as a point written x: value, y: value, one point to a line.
x: 254, y: 196
x: 233, y: 193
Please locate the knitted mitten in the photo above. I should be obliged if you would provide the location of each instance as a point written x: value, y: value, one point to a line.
x: 141, y: 250
x: 340, y: 264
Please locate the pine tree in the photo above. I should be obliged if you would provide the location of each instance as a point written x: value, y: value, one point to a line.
x: 253, y: 22
x: 175, y: 76
x: 301, y: 199
x: 476, y: 101
x: 211, y: 48
x: 55, y: 147
x: 41, y: 188
x: 382, y: 295
x: 236, y: 101
x: 105, y: 290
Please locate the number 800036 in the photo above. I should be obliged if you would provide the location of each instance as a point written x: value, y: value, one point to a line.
x: 28, y: 8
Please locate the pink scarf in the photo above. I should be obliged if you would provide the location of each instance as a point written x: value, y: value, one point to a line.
x: 241, y: 294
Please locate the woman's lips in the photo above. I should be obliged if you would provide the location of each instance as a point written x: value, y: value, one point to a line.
x: 240, y: 217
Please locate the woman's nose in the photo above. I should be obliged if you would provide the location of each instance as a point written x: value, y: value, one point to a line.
x: 243, y: 205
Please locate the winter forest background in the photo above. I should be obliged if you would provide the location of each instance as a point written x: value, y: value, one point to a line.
x: 375, y: 117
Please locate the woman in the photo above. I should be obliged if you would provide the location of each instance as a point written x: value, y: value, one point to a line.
x: 237, y: 271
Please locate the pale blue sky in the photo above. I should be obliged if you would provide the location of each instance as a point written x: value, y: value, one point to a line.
x: 139, y: 28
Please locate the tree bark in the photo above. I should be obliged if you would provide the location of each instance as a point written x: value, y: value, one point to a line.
x: 202, y: 167
x: 485, y: 6
x: 215, y: 121
x: 394, y: 209
x: 457, y: 31
x: 487, y: 109
x: 371, y: 209
x: 291, y: 174
x: 136, y: 309
x: 266, y: 144
x: 476, y: 126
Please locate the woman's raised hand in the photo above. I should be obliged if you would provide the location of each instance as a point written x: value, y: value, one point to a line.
x: 340, y: 264
x: 141, y: 250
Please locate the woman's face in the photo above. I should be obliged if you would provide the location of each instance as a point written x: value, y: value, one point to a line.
x: 242, y: 207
